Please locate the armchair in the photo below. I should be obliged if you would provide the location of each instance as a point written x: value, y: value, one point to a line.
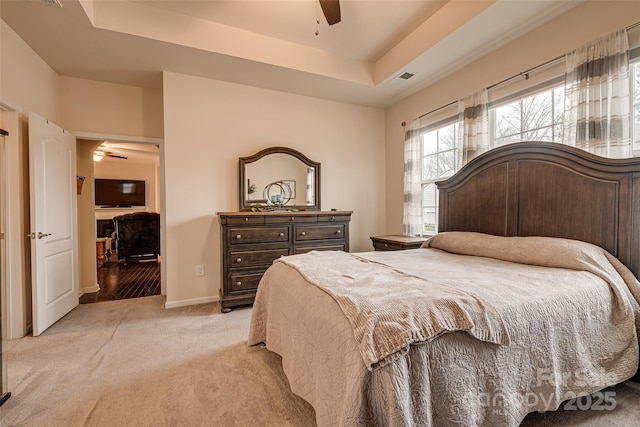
x: 137, y: 234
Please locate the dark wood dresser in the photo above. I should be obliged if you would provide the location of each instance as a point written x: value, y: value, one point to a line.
x: 251, y: 241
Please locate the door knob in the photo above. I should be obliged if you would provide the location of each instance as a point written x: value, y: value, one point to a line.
x: 41, y: 234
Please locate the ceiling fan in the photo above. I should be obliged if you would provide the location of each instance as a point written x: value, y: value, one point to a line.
x: 100, y: 154
x: 331, y: 10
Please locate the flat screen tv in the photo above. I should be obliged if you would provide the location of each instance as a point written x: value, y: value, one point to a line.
x: 120, y: 193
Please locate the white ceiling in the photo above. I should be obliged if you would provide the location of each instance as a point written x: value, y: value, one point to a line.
x: 271, y: 43
x: 134, y: 152
x: 373, y: 26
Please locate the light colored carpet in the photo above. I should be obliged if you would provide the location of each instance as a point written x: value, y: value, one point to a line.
x: 134, y: 363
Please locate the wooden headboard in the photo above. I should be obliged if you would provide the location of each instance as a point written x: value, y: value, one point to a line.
x: 548, y: 189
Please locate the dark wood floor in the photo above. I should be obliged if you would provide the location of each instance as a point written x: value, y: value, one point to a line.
x: 121, y: 281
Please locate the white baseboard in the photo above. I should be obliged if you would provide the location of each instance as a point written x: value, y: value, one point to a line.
x: 192, y: 301
x: 89, y: 290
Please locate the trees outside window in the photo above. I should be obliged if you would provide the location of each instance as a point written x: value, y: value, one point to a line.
x: 439, y: 160
x: 535, y: 118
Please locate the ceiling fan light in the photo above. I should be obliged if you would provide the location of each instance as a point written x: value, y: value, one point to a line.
x: 98, y: 155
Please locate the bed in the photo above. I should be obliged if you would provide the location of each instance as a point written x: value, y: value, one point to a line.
x: 525, y: 299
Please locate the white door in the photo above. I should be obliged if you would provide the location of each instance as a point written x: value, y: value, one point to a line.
x: 54, y: 249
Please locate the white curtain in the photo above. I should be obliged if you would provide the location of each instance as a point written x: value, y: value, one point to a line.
x: 412, y: 217
x: 473, y: 114
x: 597, y: 100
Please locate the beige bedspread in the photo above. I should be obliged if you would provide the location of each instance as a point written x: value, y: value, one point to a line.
x: 572, y: 332
x: 389, y: 310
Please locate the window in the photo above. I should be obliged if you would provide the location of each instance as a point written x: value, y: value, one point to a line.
x: 439, y: 160
x: 533, y: 117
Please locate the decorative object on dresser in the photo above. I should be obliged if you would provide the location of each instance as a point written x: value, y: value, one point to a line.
x: 272, y: 174
x: 251, y: 241
x: 396, y: 242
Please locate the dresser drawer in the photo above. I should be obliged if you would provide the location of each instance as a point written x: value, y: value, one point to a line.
x: 240, y: 282
x: 241, y: 235
x: 319, y: 232
x: 387, y: 246
x: 239, y: 259
x: 279, y: 219
x: 334, y: 218
x: 396, y: 242
x: 245, y: 220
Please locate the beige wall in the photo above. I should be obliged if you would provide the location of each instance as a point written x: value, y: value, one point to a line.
x: 578, y: 26
x: 209, y: 124
x: 108, y: 108
x: 27, y: 81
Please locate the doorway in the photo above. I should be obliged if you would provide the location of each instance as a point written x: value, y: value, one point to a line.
x: 120, y: 162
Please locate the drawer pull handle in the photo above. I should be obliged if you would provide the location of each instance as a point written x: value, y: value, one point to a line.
x: 238, y: 283
x: 281, y: 234
x: 293, y: 218
x: 239, y: 260
x: 246, y: 219
x: 238, y: 237
x: 339, y: 232
x: 333, y: 217
x: 386, y: 245
x: 303, y: 234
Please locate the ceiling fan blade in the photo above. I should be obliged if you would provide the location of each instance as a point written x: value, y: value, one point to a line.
x: 116, y: 156
x: 331, y: 10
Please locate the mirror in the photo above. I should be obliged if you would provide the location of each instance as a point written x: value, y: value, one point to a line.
x: 279, y: 178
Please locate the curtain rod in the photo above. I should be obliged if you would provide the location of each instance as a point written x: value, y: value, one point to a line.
x: 523, y: 73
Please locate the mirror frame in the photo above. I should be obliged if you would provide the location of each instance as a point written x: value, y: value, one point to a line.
x: 245, y: 206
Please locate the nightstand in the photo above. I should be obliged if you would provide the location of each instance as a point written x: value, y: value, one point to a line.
x: 396, y: 242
